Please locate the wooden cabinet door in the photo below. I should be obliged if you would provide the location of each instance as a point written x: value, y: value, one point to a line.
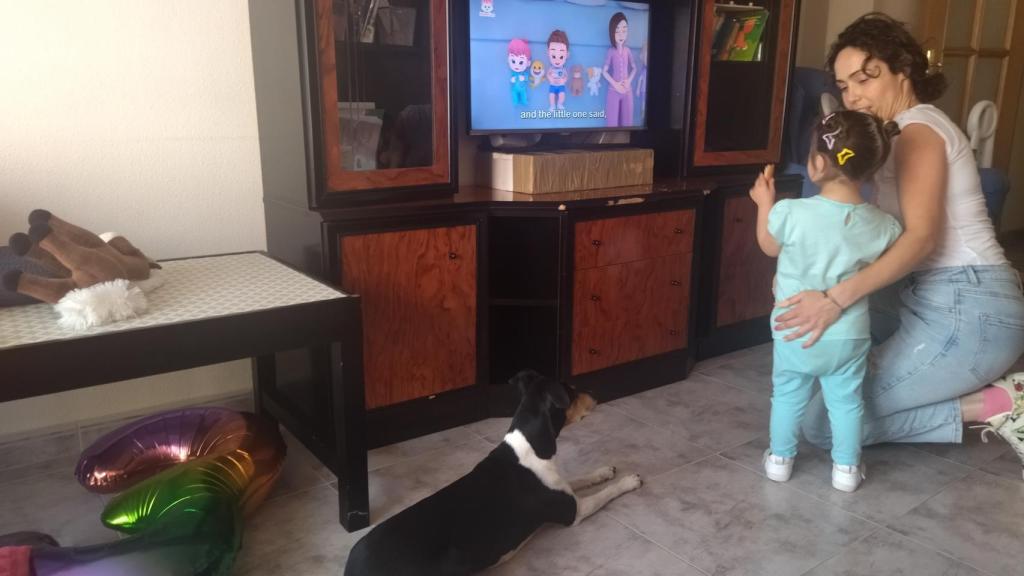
x: 419, y: 310
x: 979, y: 46
x: 745, y: 273
x: 629, y: 238
x: 630, y: 311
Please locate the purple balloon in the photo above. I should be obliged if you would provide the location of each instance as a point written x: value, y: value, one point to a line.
x: 125, y: 456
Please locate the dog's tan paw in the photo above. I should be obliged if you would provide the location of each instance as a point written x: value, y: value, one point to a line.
x: 606, y: 473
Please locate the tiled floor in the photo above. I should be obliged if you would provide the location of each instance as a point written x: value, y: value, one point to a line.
x: 705, y: 507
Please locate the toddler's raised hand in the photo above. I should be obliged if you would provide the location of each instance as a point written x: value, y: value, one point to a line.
x: 763, y: 190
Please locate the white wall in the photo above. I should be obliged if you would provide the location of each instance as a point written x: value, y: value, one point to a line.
x: 910, y: 11
x: 811, y: 43
x: 136, y: 116
x: 840, y: 15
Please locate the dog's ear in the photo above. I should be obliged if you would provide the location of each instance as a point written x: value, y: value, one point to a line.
x: 523, y: 379
x: 556, y: 392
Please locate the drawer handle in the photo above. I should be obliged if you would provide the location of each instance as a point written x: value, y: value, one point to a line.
x: 673, y: 332
x: 595, y: 242
x: 452, y: 255
x: 678, y: 230
x: 677, y: 283
x: 593, y: 351
x: 595, y: 297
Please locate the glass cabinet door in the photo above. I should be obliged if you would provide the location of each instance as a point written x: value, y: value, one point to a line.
x: 743, y: 70
x: 383, y: 70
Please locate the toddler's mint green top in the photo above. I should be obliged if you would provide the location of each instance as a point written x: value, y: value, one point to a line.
x: 823, y: 243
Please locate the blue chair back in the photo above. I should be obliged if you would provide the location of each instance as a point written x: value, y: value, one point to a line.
x: 995, y: 185
x: 802, y: 109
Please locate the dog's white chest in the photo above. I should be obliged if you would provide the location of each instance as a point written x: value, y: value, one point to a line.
x: 545, y: 470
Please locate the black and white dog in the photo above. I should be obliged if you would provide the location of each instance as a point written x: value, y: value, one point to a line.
x: 483, y: 518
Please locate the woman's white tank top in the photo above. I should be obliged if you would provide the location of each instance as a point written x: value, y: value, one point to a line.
x: 967, y: 237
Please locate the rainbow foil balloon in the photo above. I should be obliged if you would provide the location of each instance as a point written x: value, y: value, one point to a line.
x: 186, y: 479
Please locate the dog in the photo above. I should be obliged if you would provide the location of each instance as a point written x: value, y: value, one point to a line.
x: 483, y: 518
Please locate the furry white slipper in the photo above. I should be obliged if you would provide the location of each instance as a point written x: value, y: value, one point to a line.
x: 100, y: 304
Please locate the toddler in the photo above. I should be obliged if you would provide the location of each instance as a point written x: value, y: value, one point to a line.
x: 821, y: 241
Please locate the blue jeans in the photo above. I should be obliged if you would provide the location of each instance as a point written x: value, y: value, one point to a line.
x: 939, y: 334
x: 840, y: 365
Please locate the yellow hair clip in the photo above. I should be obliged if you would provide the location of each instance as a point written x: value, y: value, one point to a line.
x: 844, y: 155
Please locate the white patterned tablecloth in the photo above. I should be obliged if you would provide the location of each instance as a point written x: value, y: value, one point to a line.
x: 193, y: 289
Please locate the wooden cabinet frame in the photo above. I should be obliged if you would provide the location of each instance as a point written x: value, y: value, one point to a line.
x: 701, y: 157
x: 329, y: 182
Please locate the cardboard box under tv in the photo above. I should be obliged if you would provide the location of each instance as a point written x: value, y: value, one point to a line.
x: 567, y: 170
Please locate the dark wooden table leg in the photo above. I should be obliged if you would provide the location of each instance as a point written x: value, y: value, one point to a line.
x: 264, y: 378
x: 349, y: 411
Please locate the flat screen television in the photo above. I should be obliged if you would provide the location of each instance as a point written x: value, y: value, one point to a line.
x: 557, y: 65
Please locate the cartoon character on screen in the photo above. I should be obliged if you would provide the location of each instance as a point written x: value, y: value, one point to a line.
x: 619, y: 70
x: 594, y: 80
x: 518, y: 62
x: 558, y: 55
x: 641, y: 82
x: 536, y: 73
x: 487, y: 8
x: 576, y: 84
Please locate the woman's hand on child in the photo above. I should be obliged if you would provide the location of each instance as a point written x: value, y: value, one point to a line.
x: 810, y: 312
x: 763, y: 190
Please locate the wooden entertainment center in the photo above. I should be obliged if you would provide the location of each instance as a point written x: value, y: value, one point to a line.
x: 615, y: 290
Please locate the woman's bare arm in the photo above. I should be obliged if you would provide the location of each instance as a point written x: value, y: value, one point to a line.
x: 922, y: 166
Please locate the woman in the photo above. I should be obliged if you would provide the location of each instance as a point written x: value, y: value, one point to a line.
x: 947, y: 311
x: 619, y: 70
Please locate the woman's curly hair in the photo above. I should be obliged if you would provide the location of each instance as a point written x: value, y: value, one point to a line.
x: 887, y: 39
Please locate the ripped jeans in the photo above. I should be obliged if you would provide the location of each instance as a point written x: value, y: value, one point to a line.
x: 938, y: 335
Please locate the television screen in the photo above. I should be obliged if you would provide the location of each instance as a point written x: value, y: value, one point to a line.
x: 557, y: 65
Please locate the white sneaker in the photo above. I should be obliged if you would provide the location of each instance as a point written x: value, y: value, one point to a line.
x: 1009, y: 425
x: 777, y: 468
x: 847, y: 478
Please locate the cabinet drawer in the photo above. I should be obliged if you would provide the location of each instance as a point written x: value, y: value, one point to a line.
x: 630, y: 311
x: 630, y: 238
x: 419, y: 298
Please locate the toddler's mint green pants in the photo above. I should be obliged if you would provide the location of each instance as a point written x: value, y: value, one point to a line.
x: 840, y: 366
